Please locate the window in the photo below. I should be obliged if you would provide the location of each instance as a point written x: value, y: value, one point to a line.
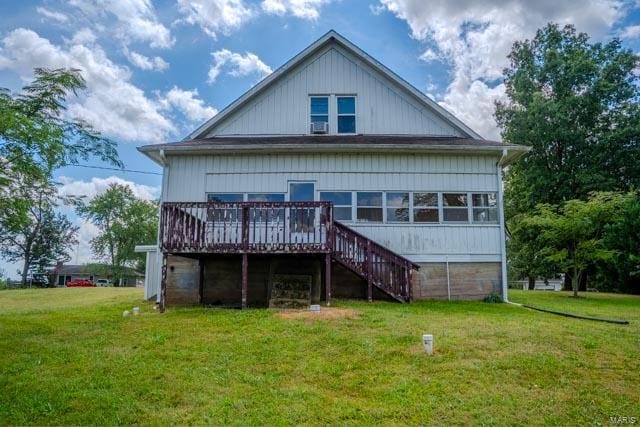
x: 224, y: 197
x: 266, y: 214
x: 425, y: 207
x: 397, y: 207
x: 455, y: 207
x: 346, y: 114
x: 224, y: 214
x: 369, y: 206
x: 341, y: 203
x: 319, y: 109
x: 302, y: 219
x: 485, y: 207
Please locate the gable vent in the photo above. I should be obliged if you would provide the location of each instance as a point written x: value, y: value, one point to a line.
x: 319, y: 127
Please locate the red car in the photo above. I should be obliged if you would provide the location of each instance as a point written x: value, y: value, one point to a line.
x: 80, y: 284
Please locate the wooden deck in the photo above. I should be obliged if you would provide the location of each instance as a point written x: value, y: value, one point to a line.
x: 196, y: 229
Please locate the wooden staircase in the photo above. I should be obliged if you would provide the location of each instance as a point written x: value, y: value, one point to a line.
x: 379, y: 266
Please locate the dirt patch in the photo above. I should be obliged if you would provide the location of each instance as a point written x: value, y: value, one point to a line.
x: 327, y: 313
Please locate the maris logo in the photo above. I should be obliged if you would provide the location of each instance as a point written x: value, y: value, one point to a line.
x: 623, y: 420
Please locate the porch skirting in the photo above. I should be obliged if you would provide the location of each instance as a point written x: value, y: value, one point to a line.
x: 217, y: 280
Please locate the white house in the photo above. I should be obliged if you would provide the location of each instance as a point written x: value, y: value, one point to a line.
x: 332, y: 176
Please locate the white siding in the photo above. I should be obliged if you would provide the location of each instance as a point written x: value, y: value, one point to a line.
x: 382, y: 107
x: 191, y: 177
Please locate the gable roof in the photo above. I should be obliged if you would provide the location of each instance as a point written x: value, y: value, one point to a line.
x: 332, y: 37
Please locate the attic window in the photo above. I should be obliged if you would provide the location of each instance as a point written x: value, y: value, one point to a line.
x: 346, y: 114
x: 319, y: 109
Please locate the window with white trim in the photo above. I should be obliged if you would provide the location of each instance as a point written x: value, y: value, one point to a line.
x: 266, y: 214
x: 224, y: 215
x: 455, y: 207
x: 485, y: 207
x: 346, y: 114
x: 425, y: 207
x: 319, y: 108
x: 397, y: 206
x: 369, y: 206
x: 341, y: 203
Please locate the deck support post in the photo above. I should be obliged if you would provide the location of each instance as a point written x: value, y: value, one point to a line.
x: 369, y: 273
x: 163, y: 283
x: 327, y: 277
x: 245, y: 279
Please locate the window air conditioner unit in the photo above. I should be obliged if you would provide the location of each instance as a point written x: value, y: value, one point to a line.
x: 319, y: 127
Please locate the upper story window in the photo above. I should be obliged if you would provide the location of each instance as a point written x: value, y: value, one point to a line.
x: 319, y: 109
x: 425, y: 207
x: 346, y: 114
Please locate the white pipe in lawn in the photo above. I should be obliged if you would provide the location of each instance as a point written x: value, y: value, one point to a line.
x: 427, y: 339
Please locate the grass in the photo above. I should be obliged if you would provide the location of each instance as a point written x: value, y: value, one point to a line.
x: 69, y: 357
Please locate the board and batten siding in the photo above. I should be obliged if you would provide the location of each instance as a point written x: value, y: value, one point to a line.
x: 382, y: 107
x: 191, y: 177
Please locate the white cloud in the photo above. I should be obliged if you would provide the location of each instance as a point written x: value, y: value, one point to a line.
x: 187, y: 102
x: 112, y: 104
x: 304, y: 9
x: 240, y: 65
x: 97, y: 186
x: 136, y: 20
x: 53, y: 15
x: 145, y: 63
x: 630, y: 32
x: 215, y: 16
x: 475, y: 37
x: 82, y: 253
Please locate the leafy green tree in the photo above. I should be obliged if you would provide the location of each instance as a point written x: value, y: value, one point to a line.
x: 576, y: 104
x: 124, y: 222
x: 44, y: 237
x: 37, y: 136
x: 573, y: 236
x: 623, y: 236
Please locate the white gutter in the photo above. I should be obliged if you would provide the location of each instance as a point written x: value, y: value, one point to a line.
x: 503, y: 238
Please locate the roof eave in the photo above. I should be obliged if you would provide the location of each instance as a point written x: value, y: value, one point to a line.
x: 513, y: 151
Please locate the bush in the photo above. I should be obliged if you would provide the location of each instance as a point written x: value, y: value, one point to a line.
x: 493, y: 297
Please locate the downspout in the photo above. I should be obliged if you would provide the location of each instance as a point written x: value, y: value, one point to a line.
x: 503, y: 239
x: 163, y: 197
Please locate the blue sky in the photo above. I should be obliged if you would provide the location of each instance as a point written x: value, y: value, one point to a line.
x: 155, y: 70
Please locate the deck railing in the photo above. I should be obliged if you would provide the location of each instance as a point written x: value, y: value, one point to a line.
x: 282, y: 228
x: 246, y: 227
x: 378, y: 265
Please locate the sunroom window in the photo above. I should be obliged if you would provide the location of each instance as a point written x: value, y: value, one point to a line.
x: 425, y: 207
x: 346, y: 114
x: 224, y: 215
x: 369, y: 206
x: 485, y: 207
x: 455, y: 207
x: 263, y: 214
x: 397, y: 207
x: 341, y: 203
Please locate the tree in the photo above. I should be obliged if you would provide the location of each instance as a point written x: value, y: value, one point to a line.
x: 37, y: 136
x: 43, y: 237
x: 572, y: 235
x: 623, y: 236
x: 576, y: 104
x: 124, y: 222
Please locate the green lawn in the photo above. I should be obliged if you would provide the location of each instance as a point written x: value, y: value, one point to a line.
x: 67, y: 356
